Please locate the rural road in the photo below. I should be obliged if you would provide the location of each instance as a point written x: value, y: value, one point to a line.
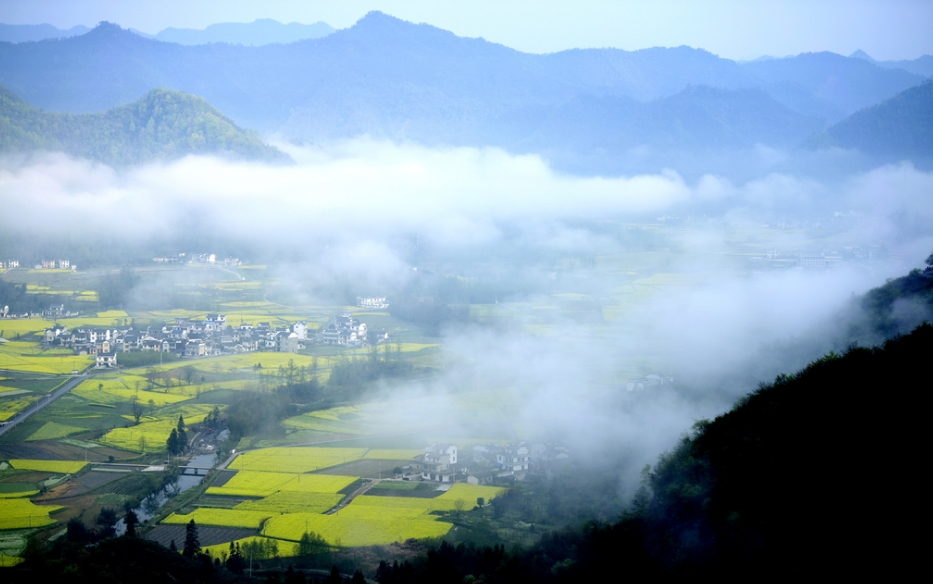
x: 41, y: 402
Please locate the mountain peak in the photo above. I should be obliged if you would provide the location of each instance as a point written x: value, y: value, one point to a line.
x: 860, y: 54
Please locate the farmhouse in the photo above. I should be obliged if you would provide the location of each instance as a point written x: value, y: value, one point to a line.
x: 378, y: 302
x: 344, y: 330
x: 439, y: 463
x: 106, y: 360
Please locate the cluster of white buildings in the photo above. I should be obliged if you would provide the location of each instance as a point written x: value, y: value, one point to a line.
x: 9, y: 264
x: 346, y: 331
x: 186, y: 337
x: 826, y: 258
x: 198, y: 258
x: 56, y: 265
x: 441, y: 462
x: 204, y: 338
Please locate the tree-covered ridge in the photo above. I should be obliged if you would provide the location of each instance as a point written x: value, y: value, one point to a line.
x: 901, y: 125
x: 808, y: 476
x: 163, y: 125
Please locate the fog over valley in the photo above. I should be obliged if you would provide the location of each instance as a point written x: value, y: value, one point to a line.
x: 352, y: 300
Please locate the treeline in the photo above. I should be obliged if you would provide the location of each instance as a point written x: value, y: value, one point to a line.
x: 291, y: 389
x: 349, y: 378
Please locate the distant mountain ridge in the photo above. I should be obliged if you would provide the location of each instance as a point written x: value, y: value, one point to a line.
x: 259, y: 32
x: 22, y: 33
x: 921, y: 65
x: 388, y: 78
x: 163, y: 125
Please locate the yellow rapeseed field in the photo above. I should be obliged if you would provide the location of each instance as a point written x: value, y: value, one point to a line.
x: 387, y: 454
x: 220, y: 517
x: 286, y: 549
x: 260, y: 483
x: 340, y: 529
x: 57, y: 466
x: 153, y: 434
x: 295, y: 460
x: 293, y: 502
x: 18, y: 495
x: 23, y: 514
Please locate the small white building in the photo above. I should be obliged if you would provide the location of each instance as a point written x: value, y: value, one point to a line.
x: 106, y: 360
x: 439, y: 463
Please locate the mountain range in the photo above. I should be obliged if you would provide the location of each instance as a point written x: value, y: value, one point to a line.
x: 388, y: 78
x: 259, y: 32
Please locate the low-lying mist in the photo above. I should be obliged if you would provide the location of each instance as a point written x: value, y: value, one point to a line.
x: 571, y: 266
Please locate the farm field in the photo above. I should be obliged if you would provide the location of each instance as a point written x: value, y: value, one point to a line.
x: 220, y: 518
x: 152, y: 431
x: 23, y: 513
x: 295, y: 460
x: 348, y: 531
x: 28, y: 356
x: 248, y: 483
x: 57, y: 466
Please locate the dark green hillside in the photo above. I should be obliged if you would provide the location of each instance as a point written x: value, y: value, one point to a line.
x: 899, y: 126
x: 163, y: 125
x: 811, y: 477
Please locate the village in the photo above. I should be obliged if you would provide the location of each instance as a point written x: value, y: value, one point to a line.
x: 210, y: 337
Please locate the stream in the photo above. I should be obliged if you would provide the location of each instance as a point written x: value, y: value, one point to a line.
x: 151, y: 504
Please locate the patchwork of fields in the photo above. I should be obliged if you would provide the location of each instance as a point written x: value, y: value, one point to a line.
x: 284, y: 505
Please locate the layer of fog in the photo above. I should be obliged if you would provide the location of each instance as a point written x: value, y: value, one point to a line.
x: 349, y: 212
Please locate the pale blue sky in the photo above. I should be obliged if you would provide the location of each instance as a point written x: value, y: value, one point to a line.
x: 736, y: 29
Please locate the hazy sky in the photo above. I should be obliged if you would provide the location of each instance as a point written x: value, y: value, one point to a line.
x: 736, y: 29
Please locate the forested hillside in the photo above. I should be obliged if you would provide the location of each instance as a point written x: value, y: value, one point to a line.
x: 163, y: 125
x: 803, y: 478
x: 899, y: 126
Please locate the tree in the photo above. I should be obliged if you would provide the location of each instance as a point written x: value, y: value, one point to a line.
x: 137, y: 410
x: 192, y: 544
x: 480, y: 501
x: 334, y: 577
x: 358, y: 578
x: 182, y: 436
x: 235, y: 562
x: 172, y: 443
x: 311, y: 544
x: 131, y: 520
